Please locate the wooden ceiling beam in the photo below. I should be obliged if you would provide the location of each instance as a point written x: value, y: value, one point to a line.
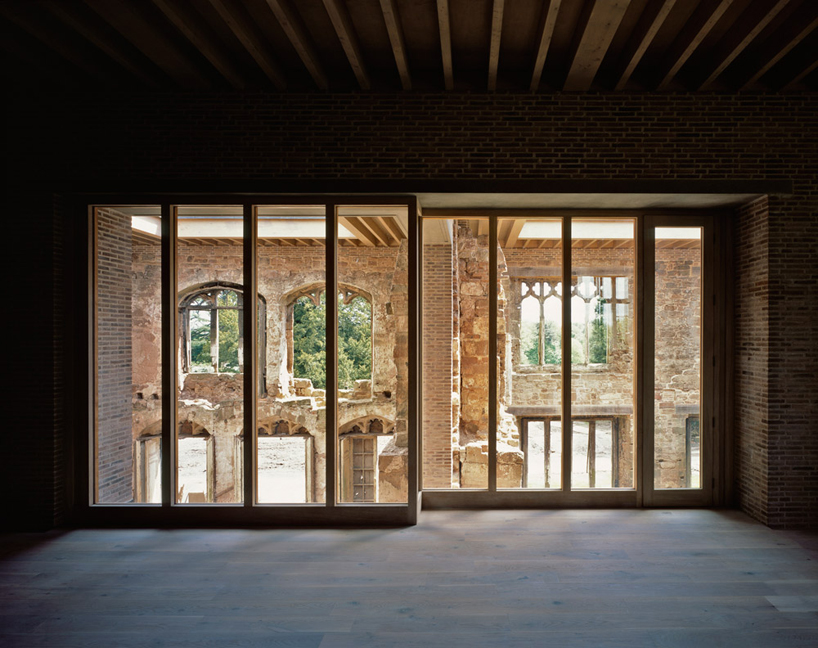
x: 690, y: 37
x: 53, y: 40
x: 780, y: 44
x: 125, y: 18
x: 252, y: 40
x: 393, y: 26
x: 548, y: 19
x: 342, y: 22
x: 494, y: 46
x: 445, y: 43
x: 360, y: 231
x: 753, y: 22
x: 67, y: 13
x: 596, y: 35
x: 198, y: 33
x: 394, y: 227
x: 803, y: 74
x: 514, y: 232
x: 296, y: 32
x: 381, y: 234
x: 652, y: 18
x: 385, y: 224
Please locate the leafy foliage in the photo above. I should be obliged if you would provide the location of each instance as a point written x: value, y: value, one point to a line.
x: 354, y: 341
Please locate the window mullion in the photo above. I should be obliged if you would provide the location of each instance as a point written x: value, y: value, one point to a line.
x: 170, y: 338
x: 248, y: 331
x: 214, y: 338
x: 567, y: 426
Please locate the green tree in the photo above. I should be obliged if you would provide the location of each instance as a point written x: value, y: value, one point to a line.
x: 228, y: 341
x: 354, y: 341
x: 598, y: 336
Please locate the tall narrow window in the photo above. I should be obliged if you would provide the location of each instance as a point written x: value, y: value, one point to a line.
x: 529, y: 349
x: 210, y: 382
x: 677, y: 359
x: 373, y: 351
x: 602, y: 353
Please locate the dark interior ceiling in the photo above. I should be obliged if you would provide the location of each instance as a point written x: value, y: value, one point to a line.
x: 423, y: 45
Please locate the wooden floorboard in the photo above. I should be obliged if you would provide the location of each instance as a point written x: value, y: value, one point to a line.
x: 654, y: 578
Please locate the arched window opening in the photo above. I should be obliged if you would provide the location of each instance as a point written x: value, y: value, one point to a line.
x: 306, y: 339
x: 212, y: 321
x: 196, y: 469
x: 285, y: 460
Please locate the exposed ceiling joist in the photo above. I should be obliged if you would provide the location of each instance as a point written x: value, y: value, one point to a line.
x: 693, y: 33
x: 445, y: 43
x: 395, y: 30
x: 69, y: 15
x: 644, y: 33
x: 548, y: 19
x: 580, y: 45
x: 125, y: 18
x: 803, y: 74
x: 62, y: 46
x: 780, y: 44
x: 342, y: 23
x: 297, y: 33
x: 514, y: 232
x: 251, y: 39
x: 494, y: 45
x: 359, y: 230
x: 196, y: 31
x: 740, y: 36
x: 597, y: 33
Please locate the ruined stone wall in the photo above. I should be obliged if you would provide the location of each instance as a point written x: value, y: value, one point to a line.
x: 114, y: 361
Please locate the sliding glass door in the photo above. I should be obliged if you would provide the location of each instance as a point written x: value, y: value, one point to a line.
x: 283, y: 331
x: 596, y: 320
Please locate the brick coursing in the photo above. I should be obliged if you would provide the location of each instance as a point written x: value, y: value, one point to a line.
x: 751, y: 380
x: 105, y: 142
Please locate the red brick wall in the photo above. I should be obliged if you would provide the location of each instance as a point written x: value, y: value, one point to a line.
x: 131, y: 143
x: 437, y: 366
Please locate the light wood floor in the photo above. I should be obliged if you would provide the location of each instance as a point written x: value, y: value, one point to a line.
x: 473, y: 579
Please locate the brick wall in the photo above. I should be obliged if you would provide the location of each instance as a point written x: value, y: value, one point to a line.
x: 751, y: 381
x: 437, y: 366
x: 129, y: 143
x: 114, y: 358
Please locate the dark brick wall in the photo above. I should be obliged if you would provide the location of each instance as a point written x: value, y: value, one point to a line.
x: 751, y: 381
x: 84, y: 142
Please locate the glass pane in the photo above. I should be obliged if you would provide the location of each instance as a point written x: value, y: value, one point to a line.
x: 602, y: 345
x: 373, y: 353
x: 292, y: 363
x: 529, y: 338
x: 210, y: 416
x: 677, y: 364
x: 455, y: 353
x: 128, y: 269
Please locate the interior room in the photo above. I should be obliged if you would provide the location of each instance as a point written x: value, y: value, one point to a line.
x: 402, y: 322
